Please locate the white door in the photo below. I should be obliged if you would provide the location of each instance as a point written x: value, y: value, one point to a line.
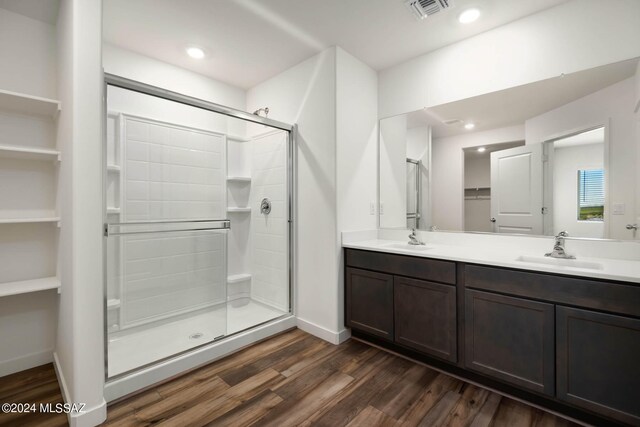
x: 516, y: 190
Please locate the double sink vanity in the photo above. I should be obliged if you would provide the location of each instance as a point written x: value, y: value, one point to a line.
x: 563, y: 334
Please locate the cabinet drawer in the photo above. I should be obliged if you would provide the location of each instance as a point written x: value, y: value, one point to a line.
x: 510, y: 339
x: 599, y: 295
x: 425, y: 317
x: 599, y: 362
x: 401, y: 265
x: 369, y: 302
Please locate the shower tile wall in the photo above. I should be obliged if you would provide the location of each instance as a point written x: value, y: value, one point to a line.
x: 169, y: 173
x: 269, y: 283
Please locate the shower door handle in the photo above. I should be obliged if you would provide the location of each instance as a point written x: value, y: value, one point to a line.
x: 149, y: 227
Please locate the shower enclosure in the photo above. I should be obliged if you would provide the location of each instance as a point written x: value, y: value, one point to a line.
x: 197, y: 224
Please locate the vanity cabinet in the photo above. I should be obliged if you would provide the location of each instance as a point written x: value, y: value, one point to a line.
x: 369, y: 298
x: 571, y: 344
x: 425, y: 317
x: 511, y: 339
x: 385, y: 298
x: 598, y: 362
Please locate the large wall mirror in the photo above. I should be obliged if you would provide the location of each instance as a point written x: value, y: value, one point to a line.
x: 550, y: 156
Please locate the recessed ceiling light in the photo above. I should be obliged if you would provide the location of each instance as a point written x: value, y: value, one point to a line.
x: 469, y: 16
x: 481, y: 149
x: 195, y: 52
x: 469, y: 126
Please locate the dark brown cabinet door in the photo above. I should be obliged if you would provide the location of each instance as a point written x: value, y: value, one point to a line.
x: 599, y: 362
x: 369, y: 301
x: 425, y: 317
x: 510, y: 339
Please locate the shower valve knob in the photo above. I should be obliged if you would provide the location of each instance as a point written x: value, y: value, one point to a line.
x: 265, y: 206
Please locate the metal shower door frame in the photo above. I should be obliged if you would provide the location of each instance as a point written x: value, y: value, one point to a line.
x: 158, y: 92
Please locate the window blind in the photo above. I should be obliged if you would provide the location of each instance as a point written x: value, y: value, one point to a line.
x: 591, y: 188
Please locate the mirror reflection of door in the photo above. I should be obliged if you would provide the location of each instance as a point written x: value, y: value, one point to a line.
x: 575, y: 185
x: 478, y: 186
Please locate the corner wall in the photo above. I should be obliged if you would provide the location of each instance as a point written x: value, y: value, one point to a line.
x: 80, y: 348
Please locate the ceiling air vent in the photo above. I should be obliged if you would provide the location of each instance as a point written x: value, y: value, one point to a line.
x: 423, y: 8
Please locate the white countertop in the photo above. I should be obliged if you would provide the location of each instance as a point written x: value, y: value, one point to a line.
x: 611, y: 269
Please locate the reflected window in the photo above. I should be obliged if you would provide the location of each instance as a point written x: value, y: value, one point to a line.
x: 591, y: 195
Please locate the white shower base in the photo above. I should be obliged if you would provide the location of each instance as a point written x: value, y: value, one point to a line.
x: 129, y: 351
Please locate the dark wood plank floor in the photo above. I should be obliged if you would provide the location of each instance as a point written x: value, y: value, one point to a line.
x: 295, y: 379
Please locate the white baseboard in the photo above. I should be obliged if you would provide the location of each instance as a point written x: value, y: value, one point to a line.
x: 323, y: 333
x: 89, y: 417
x: 28, y: 361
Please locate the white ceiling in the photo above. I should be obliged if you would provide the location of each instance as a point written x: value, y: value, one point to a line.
x: 515, y: 105
x: 41, y: 10
x: 249, y: 41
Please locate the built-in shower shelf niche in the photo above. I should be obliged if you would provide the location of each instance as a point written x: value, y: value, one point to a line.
x: 28, y: 153
x: 237, y: 138
x: 238, y: 210
x: 113, y: 304
x: 113, y: 168
x: 28, y: 104
x: 113, y: 211
x: 237, y: 278
x: 239, y: 179
x: 28, y: 286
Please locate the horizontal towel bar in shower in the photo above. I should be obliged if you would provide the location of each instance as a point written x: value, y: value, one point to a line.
x: 149, y: 227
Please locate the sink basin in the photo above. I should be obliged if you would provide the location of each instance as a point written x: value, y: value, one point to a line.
x: 560, y: 262
x: 407, y: 247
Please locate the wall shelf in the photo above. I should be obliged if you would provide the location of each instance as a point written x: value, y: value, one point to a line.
x: 239, y: 179
x: 113, y: 168
x: 28, y: 104
x: 28, y: 220
x: 113, y: 304
x: 113, y: 211
x: 27, y: 286
x: 15, y: 152
x: 238, y: 138
x: 236, y: 278
x: 235, y: 209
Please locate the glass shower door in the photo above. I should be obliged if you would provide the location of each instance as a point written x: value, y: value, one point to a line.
x: 166, y: 241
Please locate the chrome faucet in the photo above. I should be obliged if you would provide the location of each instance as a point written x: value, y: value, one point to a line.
x: 413, y: 239
x: 558, y: 247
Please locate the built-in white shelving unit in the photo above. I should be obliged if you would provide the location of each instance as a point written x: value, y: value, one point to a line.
x: 28, y: 201
x: 17, y: 152
x: 28, y: 104
x: 29, y: 220
x: 26, y: 286
x: 238, y: 210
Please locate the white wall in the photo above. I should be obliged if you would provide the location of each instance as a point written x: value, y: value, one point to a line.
x: 306, y: 94
x: 356, y: 155
x: 151, y: 71
x: 79, y: 344
x: 269, y: 236
x: 611, y: 107
x: 28, y: 55
x: 567, y: 161
x: 393, y: 172
x: 447, y: 173
x: 573, y: 36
